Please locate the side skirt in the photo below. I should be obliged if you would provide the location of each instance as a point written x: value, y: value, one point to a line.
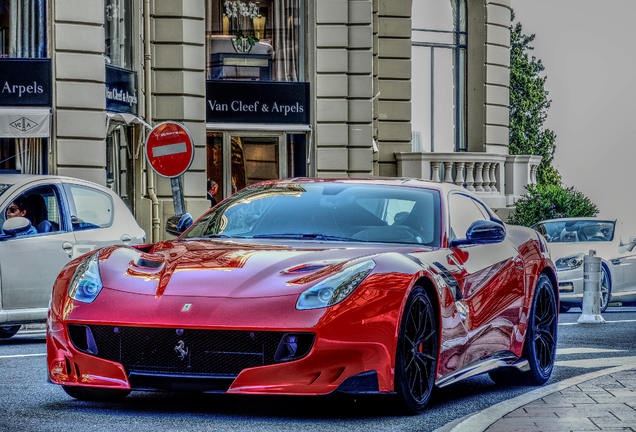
x: 497, y: 360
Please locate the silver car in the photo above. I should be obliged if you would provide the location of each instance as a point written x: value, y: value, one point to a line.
x: 65, y: 218
x: 571, y: 238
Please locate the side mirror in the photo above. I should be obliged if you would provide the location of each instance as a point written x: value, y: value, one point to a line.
x: 482, y: 232
x: 16, y: 225
x: 629, y: 245
x: 176, y: 225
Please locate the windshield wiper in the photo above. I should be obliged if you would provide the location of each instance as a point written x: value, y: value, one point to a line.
x: 304, y: 236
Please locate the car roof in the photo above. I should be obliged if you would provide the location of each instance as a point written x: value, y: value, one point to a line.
x: 17, y: 180
x: 385, y: 181
x: 23, y: 178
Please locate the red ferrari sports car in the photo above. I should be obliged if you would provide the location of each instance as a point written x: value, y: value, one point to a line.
x: 310, y: 286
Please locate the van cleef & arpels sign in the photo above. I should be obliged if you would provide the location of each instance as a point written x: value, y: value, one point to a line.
x: 25, y: 82
x: 121, y: 90
x: 257, y: 102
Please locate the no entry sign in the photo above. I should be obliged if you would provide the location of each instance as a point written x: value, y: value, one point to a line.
x: 169, y: 149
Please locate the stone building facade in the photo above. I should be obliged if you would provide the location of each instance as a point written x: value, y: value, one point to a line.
x: 309, y: 88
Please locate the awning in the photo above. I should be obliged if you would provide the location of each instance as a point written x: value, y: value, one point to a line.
x: 125, y: 118
x: 18, y: 122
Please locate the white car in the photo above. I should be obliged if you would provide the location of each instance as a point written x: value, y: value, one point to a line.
x: 65, y: 218
x: 571, y: 238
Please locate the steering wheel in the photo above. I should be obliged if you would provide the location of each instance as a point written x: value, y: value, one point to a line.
x: 410, y: 233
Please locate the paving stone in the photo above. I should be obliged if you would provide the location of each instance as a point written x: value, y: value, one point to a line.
x: 569, y: 398
x: 566, y: 424
x: 519, y: 412
x: 609, y: 421
x: 541, y: 412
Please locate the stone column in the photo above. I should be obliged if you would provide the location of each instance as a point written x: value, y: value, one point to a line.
x: 332, y: 88
x: 392, y: 70
x: 79, y: 130
x: 178, y: 91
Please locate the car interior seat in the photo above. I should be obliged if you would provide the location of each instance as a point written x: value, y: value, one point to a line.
x: 36, y: 212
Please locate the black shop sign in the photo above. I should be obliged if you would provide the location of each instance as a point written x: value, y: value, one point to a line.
x: 121, y: 90
x: 25, y: 82
x: 257, y: 102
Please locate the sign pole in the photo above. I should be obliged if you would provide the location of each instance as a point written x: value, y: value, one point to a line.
x: 170, y: 151
x: 177, y: 195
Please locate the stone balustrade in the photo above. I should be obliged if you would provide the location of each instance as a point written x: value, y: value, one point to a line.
x: 498, y: 179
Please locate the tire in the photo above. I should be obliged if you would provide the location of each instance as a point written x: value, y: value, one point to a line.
x: 417, y: 352
x: 606, y: 290
x: 95, y: 394
x: 540, y: 344
x: 7, y: 331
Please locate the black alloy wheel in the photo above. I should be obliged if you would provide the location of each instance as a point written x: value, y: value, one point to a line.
x: 417, y: 348
x: 540, y: 343
x: 7, y: 331
x: 95, y: 394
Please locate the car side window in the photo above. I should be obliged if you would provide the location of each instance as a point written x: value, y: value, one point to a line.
x: 90, y: 208
x: 464, y: 211
x: 42, y: 206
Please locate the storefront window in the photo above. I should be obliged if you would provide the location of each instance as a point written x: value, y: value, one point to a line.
x: 215, y: 162
x: 118, y: 31
x: 439, y: 75
x: 23, y: 155
x: 254, y: 40
x: 23, y: 28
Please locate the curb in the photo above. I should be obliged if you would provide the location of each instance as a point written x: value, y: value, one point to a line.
x: 480, y: 421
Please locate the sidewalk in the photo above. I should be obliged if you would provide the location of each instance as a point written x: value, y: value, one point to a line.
x: 606, y: 403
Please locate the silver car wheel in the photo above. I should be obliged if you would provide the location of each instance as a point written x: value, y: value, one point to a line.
x: 605, y: 290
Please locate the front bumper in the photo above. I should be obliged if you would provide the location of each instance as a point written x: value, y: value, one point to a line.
x: 346, y: 345
x: 570, y: 285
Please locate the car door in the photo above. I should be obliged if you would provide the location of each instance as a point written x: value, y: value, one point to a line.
x: 491, y: 282
x: 624, y: 261
x: 30, y: 264
x: 93, y: 219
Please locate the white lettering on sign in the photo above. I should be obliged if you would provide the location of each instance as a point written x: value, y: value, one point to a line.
x: 257, y: 106
x: 121, y: 96
x: 20, y: 89
x: 169, y: 149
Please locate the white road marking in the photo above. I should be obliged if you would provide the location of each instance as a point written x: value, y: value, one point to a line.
x: 584, y: 350
x: 607, y: 322
x: 169, y: 149
x: 23, y: 355
x: 598, y: 362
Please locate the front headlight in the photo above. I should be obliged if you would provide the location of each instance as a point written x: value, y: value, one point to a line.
x: 86, y: 282
x: 569, y: 262
x: 335, y: 288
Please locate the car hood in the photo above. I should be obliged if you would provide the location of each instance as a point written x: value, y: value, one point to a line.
x: 560, y: 250
x: 236, y: 269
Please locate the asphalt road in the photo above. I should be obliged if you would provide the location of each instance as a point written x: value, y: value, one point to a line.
x: 29, y: 403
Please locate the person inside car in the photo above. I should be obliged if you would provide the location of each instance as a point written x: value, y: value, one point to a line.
x: 37, y: 214
x: 18, y: 208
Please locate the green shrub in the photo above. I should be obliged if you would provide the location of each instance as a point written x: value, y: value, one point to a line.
x: 550, y: 201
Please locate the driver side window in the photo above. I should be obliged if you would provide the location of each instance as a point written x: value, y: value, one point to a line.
x: 464, y: 211
x: 41, y: 206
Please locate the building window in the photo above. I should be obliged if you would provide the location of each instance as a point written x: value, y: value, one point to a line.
x: 23, y: 28
x: 439, y: 40
x: 255, y: 40
x: 118, y: 31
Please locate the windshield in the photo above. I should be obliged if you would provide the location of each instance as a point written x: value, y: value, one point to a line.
x: 326, y: 211
x: 576, y: 231
x: 4, y: 187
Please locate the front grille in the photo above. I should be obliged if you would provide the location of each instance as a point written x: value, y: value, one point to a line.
x: 184, y: 351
